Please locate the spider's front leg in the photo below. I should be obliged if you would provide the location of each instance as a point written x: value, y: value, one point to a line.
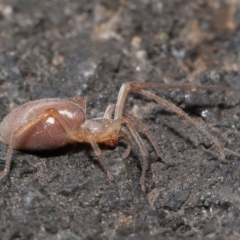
x: 142, y: 89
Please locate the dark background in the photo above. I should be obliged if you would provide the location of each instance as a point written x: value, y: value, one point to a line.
x: 64, y: 48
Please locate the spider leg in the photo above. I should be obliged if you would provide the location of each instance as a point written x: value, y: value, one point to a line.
x: 98, y: 152
x: 122, y: 133
x: 142, y: 148
x: 232, y: 152
x: 140, y: 88
x: 181, y: 113
x: 146, y: 131
x: 109, y: 111
x: 40, y: 118
x: 126, y: 136
x: 115, y: 125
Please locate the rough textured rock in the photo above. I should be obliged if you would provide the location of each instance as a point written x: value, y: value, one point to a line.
x: 90, y: 48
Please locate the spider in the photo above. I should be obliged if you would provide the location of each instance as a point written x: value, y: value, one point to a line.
x: 53, y: 122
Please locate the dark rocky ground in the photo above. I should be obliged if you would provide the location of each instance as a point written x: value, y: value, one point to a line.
x: 90, y: 48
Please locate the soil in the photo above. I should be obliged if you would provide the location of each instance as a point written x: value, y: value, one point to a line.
x: 88, y: 49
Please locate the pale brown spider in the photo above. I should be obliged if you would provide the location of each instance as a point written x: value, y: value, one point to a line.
x: 52, y: 123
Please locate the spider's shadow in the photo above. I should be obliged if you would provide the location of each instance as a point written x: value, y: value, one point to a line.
x: 70, y: 150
